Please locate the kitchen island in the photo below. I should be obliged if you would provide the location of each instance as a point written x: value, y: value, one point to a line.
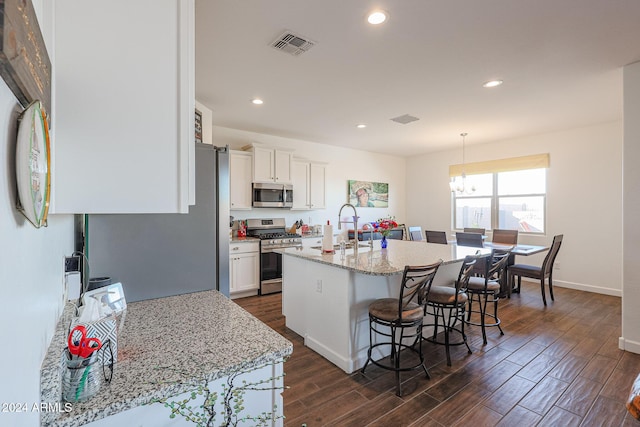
x: 325, y: 297
x: 166, y: 348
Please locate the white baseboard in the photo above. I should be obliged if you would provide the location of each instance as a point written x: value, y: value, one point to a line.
x: 333, y: 357
x: 628, y: 345
x: 243, y: 294
x: 580, y: 287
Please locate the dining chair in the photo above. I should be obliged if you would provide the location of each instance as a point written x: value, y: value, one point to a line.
x: 415, y: 233
x: 399, y: 319
x: 469, y: 239
x: 474, y: 230
x: 446, y: 305
x: 534, y: 272
x: 436, y: 237
x: 486, y: 288
x: 507, y: 237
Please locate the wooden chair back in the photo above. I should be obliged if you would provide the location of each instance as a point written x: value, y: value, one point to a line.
x: 469, y: 239
x: 507, y: 237
x: 436, y: 237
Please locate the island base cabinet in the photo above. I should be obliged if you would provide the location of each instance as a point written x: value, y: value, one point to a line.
x: 256, y: 402
x: 329, y: 307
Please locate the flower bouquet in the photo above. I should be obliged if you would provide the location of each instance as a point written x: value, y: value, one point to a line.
x: 384, y: 226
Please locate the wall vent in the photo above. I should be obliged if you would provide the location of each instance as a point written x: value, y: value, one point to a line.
x: 293, y: 44
x: 404, y: 119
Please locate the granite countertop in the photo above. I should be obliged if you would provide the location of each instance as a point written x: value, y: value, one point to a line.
x: 311, y: 235
x: 164, y: 346
x: 385, y: 262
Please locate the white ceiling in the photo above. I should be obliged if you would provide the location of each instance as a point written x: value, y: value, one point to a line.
x: 560, y: 61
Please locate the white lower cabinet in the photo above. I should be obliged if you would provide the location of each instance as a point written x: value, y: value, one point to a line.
x: 244, y: 269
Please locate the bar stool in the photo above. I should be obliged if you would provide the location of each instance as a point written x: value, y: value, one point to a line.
x: 399, y: 319
x: 448, y: 304
x: 487, y: 289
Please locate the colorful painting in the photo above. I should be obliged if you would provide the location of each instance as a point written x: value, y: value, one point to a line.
x: 368, y: 194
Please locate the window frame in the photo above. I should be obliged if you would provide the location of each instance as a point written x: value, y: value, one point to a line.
x: 495, y: 204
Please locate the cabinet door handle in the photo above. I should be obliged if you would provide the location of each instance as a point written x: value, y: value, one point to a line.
x: 235, y: 249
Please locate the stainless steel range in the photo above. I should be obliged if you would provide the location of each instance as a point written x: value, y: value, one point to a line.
x: 273, y: 235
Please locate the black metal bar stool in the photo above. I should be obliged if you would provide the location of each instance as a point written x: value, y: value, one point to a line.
x: 400, y: 319
x: 487, y: 290
x: 447, y: 304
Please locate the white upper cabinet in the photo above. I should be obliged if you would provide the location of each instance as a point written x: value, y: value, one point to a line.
x: 309, y: 184
x: 271, y: 165
x: 240, y: 180
x: 317, y: 185
x: 300, y: 179
x: 123, y: 115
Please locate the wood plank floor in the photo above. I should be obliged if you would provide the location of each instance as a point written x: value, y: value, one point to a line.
x: 555, y: 366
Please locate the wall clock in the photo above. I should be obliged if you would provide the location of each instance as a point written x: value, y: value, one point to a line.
x: 33, y: 164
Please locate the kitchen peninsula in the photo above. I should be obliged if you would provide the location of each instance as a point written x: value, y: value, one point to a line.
x: 166, y: 348
x: 325, y: 297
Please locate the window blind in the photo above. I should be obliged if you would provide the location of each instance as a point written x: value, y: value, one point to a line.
x: 535, y: 161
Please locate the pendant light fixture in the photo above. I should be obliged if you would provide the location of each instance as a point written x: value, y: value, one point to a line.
x: 460, y: 186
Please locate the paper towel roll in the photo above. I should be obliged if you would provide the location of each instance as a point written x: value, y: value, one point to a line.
x: 327, y: 239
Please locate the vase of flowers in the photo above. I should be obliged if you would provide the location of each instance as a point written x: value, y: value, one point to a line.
x: 384, y: 226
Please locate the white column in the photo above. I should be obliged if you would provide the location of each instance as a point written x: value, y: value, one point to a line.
x: 630, y: 339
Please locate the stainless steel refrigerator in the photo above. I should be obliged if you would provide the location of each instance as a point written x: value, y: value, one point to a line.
x: 159, y: 255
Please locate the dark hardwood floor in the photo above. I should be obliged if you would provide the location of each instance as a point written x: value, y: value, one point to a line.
x: 555, y: 366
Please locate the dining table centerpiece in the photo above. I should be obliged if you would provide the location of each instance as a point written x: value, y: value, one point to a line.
x: 384, y: 226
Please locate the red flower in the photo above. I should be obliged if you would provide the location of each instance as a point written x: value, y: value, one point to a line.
x: 384, y: 226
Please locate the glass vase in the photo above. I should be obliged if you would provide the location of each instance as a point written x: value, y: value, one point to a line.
x: 383, y: 242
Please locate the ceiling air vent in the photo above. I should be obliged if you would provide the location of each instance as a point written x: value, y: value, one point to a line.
x: 292, y: 43
x: 404, y: 119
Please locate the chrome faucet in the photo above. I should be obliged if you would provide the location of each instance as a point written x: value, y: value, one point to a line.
x: 355, y: 223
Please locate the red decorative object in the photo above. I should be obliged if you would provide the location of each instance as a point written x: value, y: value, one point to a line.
x: 385, y: 225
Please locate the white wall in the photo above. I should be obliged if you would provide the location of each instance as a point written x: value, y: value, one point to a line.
x: 343, y: 164
x: 630, y: 339
x: 31, y: 277
x: 584, y: 199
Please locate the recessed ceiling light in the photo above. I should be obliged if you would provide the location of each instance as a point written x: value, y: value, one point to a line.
x: 257, y: 101
x: 361, y: 126
x: 377, y: 17
x: 492, y: 83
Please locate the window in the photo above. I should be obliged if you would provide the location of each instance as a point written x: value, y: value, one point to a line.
x: 511, y: 200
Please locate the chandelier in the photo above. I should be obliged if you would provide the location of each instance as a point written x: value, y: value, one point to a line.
x: 459, y: 184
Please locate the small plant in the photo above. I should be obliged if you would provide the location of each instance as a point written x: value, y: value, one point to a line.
x: 231, y: 405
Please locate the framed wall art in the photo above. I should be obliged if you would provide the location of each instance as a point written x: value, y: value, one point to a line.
x: 24, y: 61
x: 198, y: 126
x: 368, y: 194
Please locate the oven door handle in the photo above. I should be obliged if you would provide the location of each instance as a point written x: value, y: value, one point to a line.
x: 273, y: 248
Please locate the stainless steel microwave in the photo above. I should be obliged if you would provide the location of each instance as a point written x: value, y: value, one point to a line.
x: 272, y: 195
